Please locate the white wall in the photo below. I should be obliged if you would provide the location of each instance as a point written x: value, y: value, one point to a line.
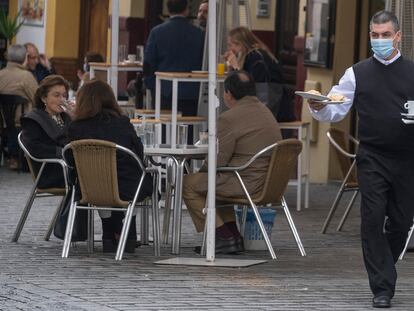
x: 33, y: 34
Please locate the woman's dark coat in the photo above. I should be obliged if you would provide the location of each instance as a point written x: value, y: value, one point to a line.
x: 44, y: 139
x: 119, y: 130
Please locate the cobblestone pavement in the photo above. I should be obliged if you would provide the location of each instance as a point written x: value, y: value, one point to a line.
x: 33, y: 276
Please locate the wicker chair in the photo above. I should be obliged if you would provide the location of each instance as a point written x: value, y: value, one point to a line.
x: 341, y: 142
x: 282, y: 163
x: 96, y: 168
x: 37, y: 192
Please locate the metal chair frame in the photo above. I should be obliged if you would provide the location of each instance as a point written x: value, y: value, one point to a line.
x: 41, y: 193
x: 343, y: 188
x: 410, y: 235
x: 129, y: 209
x: 282, y: 203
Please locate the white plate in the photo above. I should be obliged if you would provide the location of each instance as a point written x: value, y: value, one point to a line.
x: 308, y: 95
x: 407, y: 115
x: 199, y: 71
x: 406, y: 121
x: 331, y: 102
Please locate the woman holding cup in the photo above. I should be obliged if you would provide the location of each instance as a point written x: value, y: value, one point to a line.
x: 44, y: 128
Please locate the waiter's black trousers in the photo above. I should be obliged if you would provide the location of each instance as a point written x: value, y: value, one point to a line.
x: 387, y: 189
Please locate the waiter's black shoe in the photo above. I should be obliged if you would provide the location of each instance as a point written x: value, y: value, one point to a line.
x: 381, y: 302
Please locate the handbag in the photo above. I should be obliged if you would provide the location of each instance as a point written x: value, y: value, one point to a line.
x: 80, y: 225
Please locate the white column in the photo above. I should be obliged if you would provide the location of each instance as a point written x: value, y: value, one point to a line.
x: 212, y: 140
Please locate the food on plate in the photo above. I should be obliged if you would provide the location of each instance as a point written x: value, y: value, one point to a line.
x: 315, y: 92
x: 337, y: 97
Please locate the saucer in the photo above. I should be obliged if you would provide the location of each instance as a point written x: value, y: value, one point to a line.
x: 331, y: 102
x: 407, y: 115
x: 407, y: 121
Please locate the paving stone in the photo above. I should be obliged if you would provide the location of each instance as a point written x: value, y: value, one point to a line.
x: 33, y: 276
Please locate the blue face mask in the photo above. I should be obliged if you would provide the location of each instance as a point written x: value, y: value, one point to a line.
x: 383, y: 48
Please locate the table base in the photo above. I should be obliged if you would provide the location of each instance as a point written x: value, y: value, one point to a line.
x: 218, y: 262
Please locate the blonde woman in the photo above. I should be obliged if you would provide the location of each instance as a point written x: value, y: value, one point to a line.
x: 247, y: 52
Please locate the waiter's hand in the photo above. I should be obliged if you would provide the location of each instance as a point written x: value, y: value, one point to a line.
x: 316, y: 104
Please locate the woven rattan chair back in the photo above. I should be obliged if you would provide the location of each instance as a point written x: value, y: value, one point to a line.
x: 282, y: 163
x: 96, y: 168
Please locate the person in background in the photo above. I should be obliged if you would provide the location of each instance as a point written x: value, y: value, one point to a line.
x: 247, y: 52
x: 202, y: 14
x: 38, y: 64
x: 242, y: 131
x: 83, y: 74
x: 98, y: 116
x: 175, y: 45
x: 44, y: 128
x: 379, y: 87
x: 15, y: 79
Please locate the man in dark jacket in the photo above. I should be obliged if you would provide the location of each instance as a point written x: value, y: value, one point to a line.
x: 175, y: 46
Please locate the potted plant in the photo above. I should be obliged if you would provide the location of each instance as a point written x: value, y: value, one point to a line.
x: 9, y: 27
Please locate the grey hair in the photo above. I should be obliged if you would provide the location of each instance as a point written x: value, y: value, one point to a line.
x: 383, y: 17
x: 16, y: 53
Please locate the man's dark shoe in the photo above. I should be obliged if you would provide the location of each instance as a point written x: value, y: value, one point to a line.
x: 226, y: 246
x: 229, y: 246
x: 381, y: 302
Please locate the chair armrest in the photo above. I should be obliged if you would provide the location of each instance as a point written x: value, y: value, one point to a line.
x: 248, y: 163
x: 340, y: 149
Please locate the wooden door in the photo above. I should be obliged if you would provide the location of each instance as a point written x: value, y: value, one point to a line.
x: 94, y: 25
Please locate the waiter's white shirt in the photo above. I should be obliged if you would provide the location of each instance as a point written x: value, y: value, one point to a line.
x: 346, y: 87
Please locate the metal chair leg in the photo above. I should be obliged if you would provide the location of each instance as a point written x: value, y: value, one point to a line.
x: 144, y: 226
x: 90, y: 231
x: 156, y: 219
x: 348, y: 209
x: 69, y: 227
x: 24, y: 215
x: 54, y: 218
x: 333, y: 208
x: 167, y: 213
x: 293, y: 227
x: 124, y: 233
x: 410, y: 235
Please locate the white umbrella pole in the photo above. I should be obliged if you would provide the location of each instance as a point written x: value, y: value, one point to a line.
x: 212, y: 155
x: 114, y: 46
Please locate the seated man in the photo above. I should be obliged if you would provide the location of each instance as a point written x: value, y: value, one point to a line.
x: 15, y: 79
x: 38, y: 64
x: 245, y: 129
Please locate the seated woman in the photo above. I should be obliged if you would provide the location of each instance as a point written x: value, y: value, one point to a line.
x: 44, y: 128
x: 247, y: 52
x: 98, y: 116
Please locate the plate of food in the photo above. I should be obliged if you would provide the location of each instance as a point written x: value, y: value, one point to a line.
x: 312, y: 94
x: 335, y: 99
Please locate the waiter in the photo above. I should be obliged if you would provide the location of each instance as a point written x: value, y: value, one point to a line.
x: 378, y: 87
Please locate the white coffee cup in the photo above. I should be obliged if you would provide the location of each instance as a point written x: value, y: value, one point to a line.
x: 409, y: 105
x: 132, y: 58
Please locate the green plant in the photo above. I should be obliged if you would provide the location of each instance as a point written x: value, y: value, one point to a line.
x: 9, y: 27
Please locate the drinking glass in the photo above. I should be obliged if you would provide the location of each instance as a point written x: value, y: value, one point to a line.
x: 182, y: 134
x: 149, y: 135
x: 122, y: 53
x: 140, y: 54
x: 221, y: 67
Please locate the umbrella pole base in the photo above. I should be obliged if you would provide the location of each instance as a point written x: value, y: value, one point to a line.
x: 218, y: 262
